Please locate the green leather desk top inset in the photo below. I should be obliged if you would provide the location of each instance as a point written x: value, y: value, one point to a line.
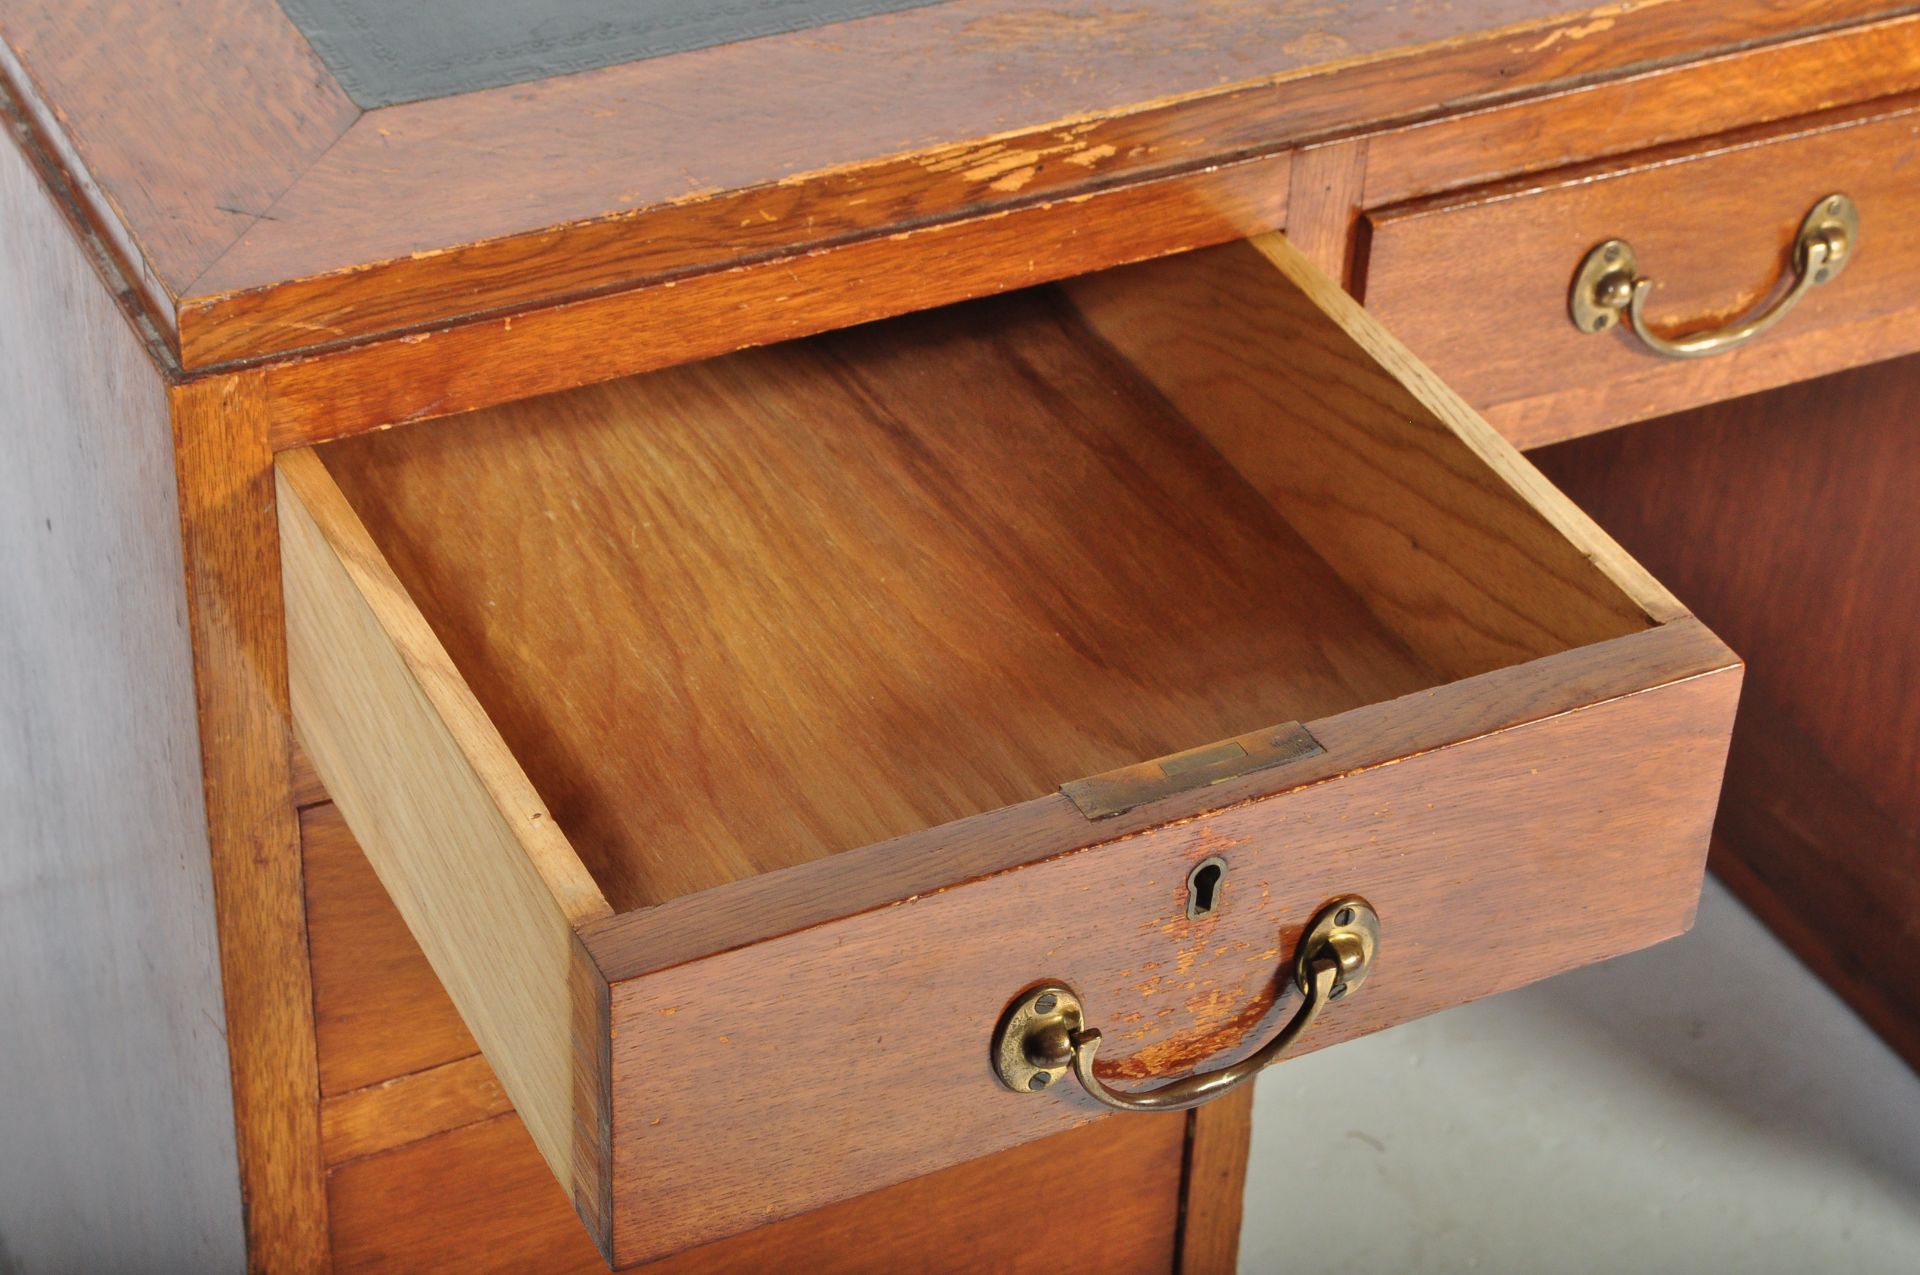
x: 384, y: 53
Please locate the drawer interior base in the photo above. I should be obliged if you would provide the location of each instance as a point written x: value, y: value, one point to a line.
x: 739, y: 615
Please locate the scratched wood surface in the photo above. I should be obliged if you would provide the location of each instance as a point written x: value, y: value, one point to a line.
x: 1618, y: 115
x: 281, y: 217
x: 489, y: 361
x: 178, y: 137
x: 374, y: 990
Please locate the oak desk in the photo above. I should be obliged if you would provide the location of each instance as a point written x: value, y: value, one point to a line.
x: 602, y: 607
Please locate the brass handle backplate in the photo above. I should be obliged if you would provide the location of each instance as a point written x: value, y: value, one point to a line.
x: 1043, y: 1034
x: 1609, y: 284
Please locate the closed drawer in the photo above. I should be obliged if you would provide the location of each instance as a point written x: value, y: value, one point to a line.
x: 1477, y: 282
x: 720, y: 732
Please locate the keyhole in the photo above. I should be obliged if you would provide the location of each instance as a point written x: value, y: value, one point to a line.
x: 1203, y: 886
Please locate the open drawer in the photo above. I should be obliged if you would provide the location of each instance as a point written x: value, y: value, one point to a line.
x: 741, y: 741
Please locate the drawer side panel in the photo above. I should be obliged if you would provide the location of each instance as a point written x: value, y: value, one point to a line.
x: 454, y: 832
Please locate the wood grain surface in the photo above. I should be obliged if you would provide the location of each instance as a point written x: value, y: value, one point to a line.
x: 1824, y: 865
x: 1787, y: 519
x: 486, y: 361
x: 480, y: 1200
x: 1618, y: 115
x: 379, y: 1010
x: 200, y: 152
x: 224, y: 473
x: 939, y: 112
x: 393, y: 1113
x: 307, y: 788
x: 116, y: 1116
x: 891, y: 586
x: 463, y: 844
x: 492, y: 361
x: 1711, y: 223
x: 180, y: 124
x: 331, y: 226
x: 364, y: 957
x: 374, y: 993
x: 865, y: 1061
x: 1450, y: 536
x: 863, y: 586
x: 1219, y: 1137
x: 1324, y: 199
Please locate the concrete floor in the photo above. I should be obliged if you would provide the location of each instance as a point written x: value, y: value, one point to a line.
x: 1706, y: 1106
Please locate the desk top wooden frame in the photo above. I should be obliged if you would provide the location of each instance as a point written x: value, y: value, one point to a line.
x: 260, y: 211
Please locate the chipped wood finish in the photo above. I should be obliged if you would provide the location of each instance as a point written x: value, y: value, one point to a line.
x: 257, y: 214
x: 1712, y: 223
x: 373, y: 987
x: 1581, y: 850
x: 486, y: 363
x: 353, y: 225
x: 1617, y: 115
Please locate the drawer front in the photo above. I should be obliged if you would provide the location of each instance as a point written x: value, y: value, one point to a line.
x: 1510, y: 738
x: 856, y: 1051
x: 1477, y: 283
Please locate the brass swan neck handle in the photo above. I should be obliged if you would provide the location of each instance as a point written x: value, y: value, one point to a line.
x: 1043, y: 1034
x: 1608, y: 285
